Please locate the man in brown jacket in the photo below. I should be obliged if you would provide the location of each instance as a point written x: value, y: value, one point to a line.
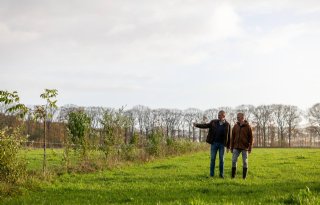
x: 219, y: 138
x: 241, y: 142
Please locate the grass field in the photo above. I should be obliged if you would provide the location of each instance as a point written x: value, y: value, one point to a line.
x: 276, y: 176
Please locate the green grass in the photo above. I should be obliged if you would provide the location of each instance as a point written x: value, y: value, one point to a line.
x: 276, y: 176
x: 34, y: 158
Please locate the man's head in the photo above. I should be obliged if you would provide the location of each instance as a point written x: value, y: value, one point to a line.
x: 221, y: 115
x: 240, y: 117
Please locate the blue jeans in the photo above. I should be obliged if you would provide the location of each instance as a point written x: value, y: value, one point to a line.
x: 235, y: 155
x: 214, y: 148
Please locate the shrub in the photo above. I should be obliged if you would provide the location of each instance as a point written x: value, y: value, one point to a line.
x: 114, y: 124
x: 154, y: 143
x: 78, y: 131
x: 12, y: 166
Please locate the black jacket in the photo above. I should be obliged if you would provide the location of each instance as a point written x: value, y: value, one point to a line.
x: 212, y: 131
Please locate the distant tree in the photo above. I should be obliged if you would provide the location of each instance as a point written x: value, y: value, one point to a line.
x: 314, y: 116
x: 139, y: 112
x: 211, y: 113
x: 131, y: 122
x: 188, y: 118
x: 262, y: 115
x: 247, y: 110
x: 280, y: 115
x: 193, y: 115
x: 293, y: 120
x: 166, y: 119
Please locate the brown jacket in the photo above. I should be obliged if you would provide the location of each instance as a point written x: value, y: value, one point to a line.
x: 212, y: 125
x: 242, y: 136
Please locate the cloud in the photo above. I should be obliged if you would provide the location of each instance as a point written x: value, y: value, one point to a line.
x: 9, y: 36
x: 280, y: 38
x: 226, y: 23
x: 173, y: 49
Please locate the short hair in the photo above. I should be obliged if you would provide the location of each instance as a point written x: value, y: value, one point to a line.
x: 222, y: 112
x: 241, y: 113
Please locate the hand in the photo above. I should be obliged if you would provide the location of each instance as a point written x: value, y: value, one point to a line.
x: 228, y: 150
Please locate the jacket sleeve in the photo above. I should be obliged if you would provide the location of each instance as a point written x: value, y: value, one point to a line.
x: 204, y: 125
x: 228, y: 137
x: 232, y: 138
x: 250, y: 138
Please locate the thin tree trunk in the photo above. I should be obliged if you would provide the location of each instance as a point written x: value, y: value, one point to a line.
x: 44, y: 146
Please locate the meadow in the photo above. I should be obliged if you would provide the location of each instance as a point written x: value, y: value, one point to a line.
x: 275, y: 176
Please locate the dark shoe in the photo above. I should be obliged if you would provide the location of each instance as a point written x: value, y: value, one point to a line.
x: 233, y: 173
x: 221, y: 176
x: 244, y: 173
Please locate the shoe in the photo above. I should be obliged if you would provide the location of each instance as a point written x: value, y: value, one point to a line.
x: 233, y: 173
x: 244, y: 173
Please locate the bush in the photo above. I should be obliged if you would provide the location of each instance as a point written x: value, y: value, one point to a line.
x: 12, y: 166
x: 128, y: 152
x: 154, y: 143
x: 78, y: 131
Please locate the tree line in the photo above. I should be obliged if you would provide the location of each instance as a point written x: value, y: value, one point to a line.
x: 275, y: 125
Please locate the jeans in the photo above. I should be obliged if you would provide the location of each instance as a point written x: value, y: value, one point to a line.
x: 235, y: 155
x: 214, y: 148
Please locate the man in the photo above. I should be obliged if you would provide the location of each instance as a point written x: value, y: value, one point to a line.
x: 241, y: 142
x: 219, y: 138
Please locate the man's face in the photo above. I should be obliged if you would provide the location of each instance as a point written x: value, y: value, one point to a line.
x: 221, y: 116
x: 240, y: 118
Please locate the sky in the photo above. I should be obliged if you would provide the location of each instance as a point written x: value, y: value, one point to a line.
x: 162, y: 54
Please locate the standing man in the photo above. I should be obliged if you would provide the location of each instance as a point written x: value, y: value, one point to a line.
x: 241, y: 143
x: 219, y: 138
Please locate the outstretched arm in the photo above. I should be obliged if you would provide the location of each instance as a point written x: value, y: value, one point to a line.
x: 250, y: 139
x: 204, y: 125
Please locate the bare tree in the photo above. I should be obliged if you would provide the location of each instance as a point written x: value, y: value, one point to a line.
x: 314, y: 118
x: 280, y: 116
x: 262, y: 116
x: 211, y: 113
x: 293, y: 120
x: 176, y: 116
x: 139, y: 112
x: 192, y: 115
x: 188, y: 118
x: 131, y: 123
x: 63, y: 112
x: 96, y: 115
x: 247, y: 110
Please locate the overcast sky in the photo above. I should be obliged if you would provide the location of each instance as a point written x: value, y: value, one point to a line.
x: 162, y: 53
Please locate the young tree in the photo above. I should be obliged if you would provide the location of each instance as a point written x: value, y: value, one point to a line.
x: 42, y: 112
x: 12, y: 103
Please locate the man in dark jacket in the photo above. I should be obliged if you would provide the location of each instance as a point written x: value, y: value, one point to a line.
x: 219, y: 138
x: 241, y: 142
